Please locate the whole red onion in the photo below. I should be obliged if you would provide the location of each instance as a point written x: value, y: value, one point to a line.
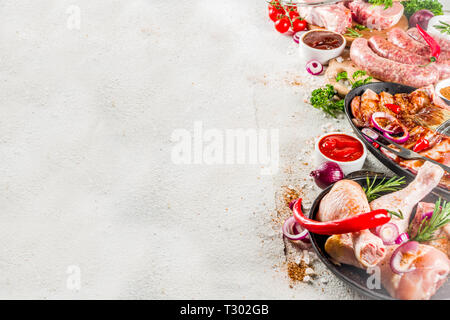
x: 326, y: 174
x: 421, y: 17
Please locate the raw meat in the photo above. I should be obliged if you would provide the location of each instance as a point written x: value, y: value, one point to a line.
x: 376, y: 17
x: 388, y: 70
x: 335, y: 17
x: 345, y: 199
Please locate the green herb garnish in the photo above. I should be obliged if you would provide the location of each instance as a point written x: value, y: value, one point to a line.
x: 443, y: 27
x: 398, y: 214
x: 386, y: 3
x: 359, y: 27
x: 373, y: 191
x: 323, y: 98
x: 353, y: 33
x: 427, y: 227
x: 412, y: 6
x: 357, y: 74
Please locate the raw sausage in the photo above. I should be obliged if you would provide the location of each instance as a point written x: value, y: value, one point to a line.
x: 390, y: 51
x: 388, y: 70
x: 444, y: 44
x: 401, y: 39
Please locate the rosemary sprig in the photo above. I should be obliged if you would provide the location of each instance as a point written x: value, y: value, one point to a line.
x: 373, y: 191
x: 398, y: 214
x: 353, y: 33
x: 443, y: 27
x: 427, y: 227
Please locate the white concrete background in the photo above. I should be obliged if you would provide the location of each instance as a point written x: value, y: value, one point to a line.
x: 86, y: 176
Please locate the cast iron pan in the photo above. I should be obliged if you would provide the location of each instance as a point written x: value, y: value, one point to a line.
x: 391, y: 88
x: 357, y: 278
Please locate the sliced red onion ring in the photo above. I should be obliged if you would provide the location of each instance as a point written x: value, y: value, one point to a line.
x: 314, y: 67
x: 297, y: 35
x: 427, y: 215
x: 293, y: 231
x: 376, y: 115
x: 403, y: 237
x: 291, y: 204
x: 388, y: 232
x: 397, y: 264
x: 401, y: 139
x: 369, y: 133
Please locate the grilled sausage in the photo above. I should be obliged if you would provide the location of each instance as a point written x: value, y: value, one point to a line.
x: 388, y: 70
x: 390, y: 51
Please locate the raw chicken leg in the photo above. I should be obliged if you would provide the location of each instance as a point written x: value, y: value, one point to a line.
x: 346, y: 199
x: 431, y: 270
x: 404, y: 200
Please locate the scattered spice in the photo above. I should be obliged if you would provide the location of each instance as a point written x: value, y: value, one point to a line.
x: 446, y: 92
x: 297, y: 272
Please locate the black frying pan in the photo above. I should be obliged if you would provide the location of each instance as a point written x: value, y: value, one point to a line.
x: 355, y: 277
x: 391, y: 88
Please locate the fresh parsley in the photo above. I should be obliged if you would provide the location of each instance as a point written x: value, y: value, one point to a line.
x: 412, y: 6
x: 443, y: 27
x: 386, y: 3
x: 427, y: 227
x: 373, y: 190
x: 324, y: 99
x: 355, y: 82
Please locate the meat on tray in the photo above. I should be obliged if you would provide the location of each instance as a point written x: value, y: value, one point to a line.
x: 376, y: 17
x: 429, y: 263
x: 421, y: 112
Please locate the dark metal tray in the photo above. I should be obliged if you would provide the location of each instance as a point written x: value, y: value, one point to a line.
x: 357, y: 278
x: 391, y: 88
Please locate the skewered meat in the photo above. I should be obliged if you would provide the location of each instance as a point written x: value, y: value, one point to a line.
x: 388, y: 70
x: 345, y: 199
x: 404, y: 200
x: 376, y: 17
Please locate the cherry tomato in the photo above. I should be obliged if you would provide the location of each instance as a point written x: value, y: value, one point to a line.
x: 293, y: 14
x: 299, y: 25
x: 276, y: 5
x: 282, y: 25
x: 273, y: 14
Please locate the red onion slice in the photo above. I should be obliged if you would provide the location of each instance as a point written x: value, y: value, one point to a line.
x: 401, y: 139
x: 397, y: 262
x: 314, y: 67
x: 388, y: 232
x: 376, y: 115
x: 427, y: 215
x: 403, y: 237
x: 293, y: 231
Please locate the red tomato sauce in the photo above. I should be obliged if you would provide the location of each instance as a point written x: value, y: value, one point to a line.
x: 341, y: 147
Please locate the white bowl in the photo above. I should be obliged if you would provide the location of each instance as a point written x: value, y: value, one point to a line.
x: 346, y: 166
x: 308, y: 53
x: 442, y: 84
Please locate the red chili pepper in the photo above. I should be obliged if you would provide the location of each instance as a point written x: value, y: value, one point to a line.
x: 356, y: 223
x: 376, y: 145
x: 393, y: 107
x: 421, y: 144
x: 434, y: 46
